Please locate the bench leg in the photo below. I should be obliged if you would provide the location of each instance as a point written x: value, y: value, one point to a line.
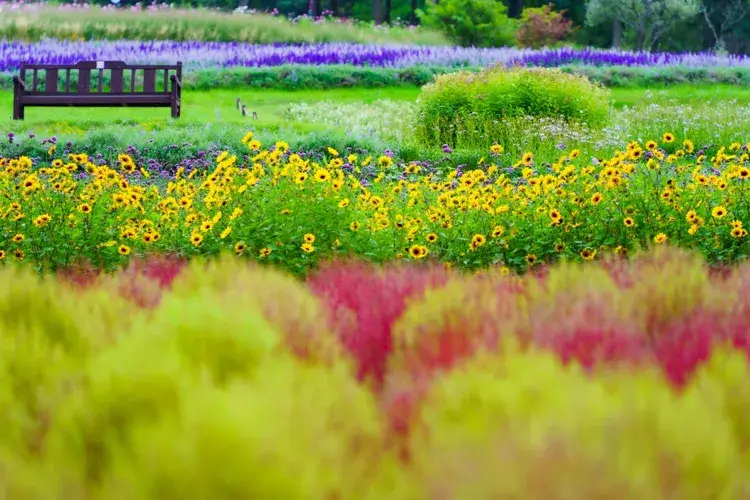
x: 18, y: 111
x: 176, y: 107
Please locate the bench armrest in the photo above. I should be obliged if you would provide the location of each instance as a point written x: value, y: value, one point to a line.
x: 175, y: 81
x: 17, y: 81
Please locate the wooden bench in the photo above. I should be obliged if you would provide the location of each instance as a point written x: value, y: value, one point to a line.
x: 130, y: 85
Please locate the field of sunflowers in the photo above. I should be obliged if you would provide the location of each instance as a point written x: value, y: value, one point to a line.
x: 294, y: 211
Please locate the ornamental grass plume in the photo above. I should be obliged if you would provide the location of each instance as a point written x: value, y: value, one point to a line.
x: 365, y: 301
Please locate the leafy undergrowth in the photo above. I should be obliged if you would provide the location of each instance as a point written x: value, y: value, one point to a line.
x: 222, y: 379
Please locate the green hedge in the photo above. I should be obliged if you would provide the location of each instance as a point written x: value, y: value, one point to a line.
x: 48, y: 21
x: 341, y: 76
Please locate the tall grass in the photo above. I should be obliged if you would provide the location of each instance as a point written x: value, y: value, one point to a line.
x: 95, y: 23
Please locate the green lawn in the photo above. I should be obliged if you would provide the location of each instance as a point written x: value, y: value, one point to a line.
x: 199, y: 107
x: 219, y: 106
x: 683, y: 94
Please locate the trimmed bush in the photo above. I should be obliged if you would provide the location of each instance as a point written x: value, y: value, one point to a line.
x: 473, y: 105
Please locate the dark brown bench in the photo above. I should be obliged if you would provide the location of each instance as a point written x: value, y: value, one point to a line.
x: 130, y: 85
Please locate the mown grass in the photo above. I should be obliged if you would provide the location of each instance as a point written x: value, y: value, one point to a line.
x: 220, y: 106
x: 683, y: 94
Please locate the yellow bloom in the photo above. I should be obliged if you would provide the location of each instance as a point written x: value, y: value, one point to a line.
x: 477, y: 241
x: 588, y: 254
x: 42, y: 220
x: 660, y: 238
x: 418, y: 252
x: 719, y: 212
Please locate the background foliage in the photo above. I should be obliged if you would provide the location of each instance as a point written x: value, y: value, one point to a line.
x: 716, y: 23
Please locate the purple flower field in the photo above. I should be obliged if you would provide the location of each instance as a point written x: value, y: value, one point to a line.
x: 200, y: 55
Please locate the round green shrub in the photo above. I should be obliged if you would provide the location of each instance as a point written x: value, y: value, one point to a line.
x: 470, y: 107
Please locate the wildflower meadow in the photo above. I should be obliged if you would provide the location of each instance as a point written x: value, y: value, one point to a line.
x: 380, y: 255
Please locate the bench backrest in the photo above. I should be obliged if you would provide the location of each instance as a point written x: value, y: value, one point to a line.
x: 87, y: 77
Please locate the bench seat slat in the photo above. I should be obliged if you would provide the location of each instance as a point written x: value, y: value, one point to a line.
x: 96, y: 100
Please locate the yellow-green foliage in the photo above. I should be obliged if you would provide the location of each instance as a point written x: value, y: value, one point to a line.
x: 723, y: 381
x: 572, y: 293
x: 202, y: 396
x: 150, y: 371
x: 281, y: 299
x: 669, y: 283
x: 297, y: 432
x: 524, y: 427
x: 46, y: 333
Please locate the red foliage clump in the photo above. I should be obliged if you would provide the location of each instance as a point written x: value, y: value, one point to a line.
x: 364, y: 302
x: 82, y: 275
x: 144, y: 281
x: 591, y: 334
x: 543, y: 27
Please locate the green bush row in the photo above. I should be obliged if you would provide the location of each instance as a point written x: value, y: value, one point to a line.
x: 342, y: 76
x: 196, y: 25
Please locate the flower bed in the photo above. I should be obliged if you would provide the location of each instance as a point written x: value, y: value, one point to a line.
x: 294, y: 211
x: 201, y: 55
x: 212, y: 65
x: 364, y: 382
